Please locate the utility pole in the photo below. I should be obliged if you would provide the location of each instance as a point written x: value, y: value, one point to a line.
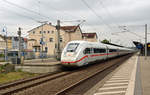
x: 58, y: 52
x: 145, y: 41
x: 42, y: 39
x: 6, y: 50
x: 19, y: 52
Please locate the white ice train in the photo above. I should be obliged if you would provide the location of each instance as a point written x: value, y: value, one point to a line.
x: 80, y: 53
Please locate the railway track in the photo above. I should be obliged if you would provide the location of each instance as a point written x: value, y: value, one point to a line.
x: 60, y: 83
x: 30, y: 82
x: 75, y: 89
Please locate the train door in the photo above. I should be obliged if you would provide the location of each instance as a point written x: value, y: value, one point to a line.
x: 117, y: 51
x: 107, y: 51
x: 91, y: 57
x: 87, y: 52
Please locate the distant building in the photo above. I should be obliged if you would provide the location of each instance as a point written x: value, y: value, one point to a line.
x: 15, y: 43
x: 92, y: 37
x: 3, y: 43
x: 67, y: 33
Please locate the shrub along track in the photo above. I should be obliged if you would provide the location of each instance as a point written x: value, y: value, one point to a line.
x: 74, y: 82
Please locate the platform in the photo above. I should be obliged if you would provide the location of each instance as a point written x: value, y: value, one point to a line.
x: 143, y: 77
x: 39, y: 66
x: 130, y: 78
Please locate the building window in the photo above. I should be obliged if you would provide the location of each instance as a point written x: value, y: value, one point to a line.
x: 35, y: 49
x: 61, y: 40
x: 39, y: 49
x: 40, y: 32
x: 51, y: 39
x: 33, y: 32
x: 44, y: 31
x: 46, y: 49
x: 52, y: 32
x: 48, y: 32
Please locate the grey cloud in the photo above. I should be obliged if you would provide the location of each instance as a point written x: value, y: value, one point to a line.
x: 113, y: 12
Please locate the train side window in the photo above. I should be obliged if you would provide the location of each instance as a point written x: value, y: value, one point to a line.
x: 98, y: 50
x: 112, y: 50
x: 87, y: 51
x: 102, y: 50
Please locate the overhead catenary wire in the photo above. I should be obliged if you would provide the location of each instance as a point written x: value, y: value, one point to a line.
x: 100, y: 2
x: 63, y: 12
x: 29, y: 10
x: 109, y: 13
x: 96, y: 14
x: 22, y: 15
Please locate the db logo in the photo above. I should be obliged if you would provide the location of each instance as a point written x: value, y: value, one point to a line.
x: 69, y: 54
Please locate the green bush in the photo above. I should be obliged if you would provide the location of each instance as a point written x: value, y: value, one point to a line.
x: 1, y: 55
x: 6, y: 68
x: 2, y: 68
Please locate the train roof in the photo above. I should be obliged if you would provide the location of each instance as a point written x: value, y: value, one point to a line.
x: 98, y: 43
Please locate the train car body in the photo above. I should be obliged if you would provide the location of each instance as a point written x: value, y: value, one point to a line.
x: 80, y: 53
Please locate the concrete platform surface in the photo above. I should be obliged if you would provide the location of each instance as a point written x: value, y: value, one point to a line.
x: 144, y: 75
x: 38, y: 62
x: 40, y: 66
x: 119, y: 82
x: 131, y: 78
x: 42, y: 63
x: 39, y: 69
x: 47, y: 61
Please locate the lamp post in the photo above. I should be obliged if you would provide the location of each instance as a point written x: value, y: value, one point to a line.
x: 145, y: 41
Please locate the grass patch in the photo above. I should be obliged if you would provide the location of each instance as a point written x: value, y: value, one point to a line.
x: 12, y: 76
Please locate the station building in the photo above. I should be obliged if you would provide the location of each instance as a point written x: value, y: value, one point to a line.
x: 49, y: 34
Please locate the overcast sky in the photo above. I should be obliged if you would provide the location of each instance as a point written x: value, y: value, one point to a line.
x: 105, y: 17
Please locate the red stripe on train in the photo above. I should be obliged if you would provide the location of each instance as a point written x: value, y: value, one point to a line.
x: 77, y: 60
x: 87, y: 56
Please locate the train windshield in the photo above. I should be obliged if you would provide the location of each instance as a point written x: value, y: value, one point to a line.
x: 72, y: 47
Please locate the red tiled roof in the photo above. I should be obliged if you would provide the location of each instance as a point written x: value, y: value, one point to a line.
x: 69, y: 28
x: 89, y: 35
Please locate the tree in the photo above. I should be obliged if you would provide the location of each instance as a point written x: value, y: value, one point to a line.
x: 105, y: 41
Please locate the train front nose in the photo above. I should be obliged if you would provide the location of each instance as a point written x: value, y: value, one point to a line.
x: 70, y: 54
x: 69, y: 59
